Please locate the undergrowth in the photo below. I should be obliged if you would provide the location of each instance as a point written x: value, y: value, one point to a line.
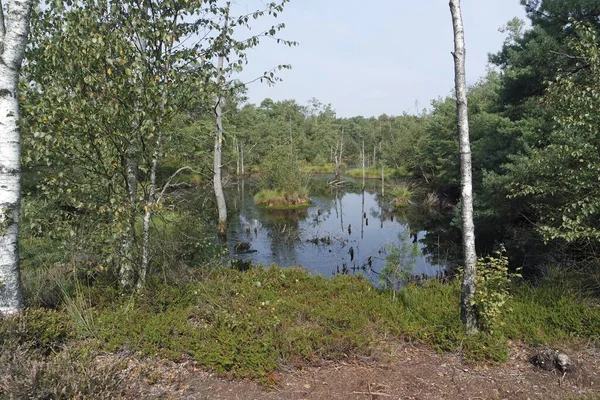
x: 321, y: 168
x: 248, y: 324
x: 370, y: 173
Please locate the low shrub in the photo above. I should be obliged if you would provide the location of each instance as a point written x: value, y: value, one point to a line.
x: 70, y: 374
x: 247, y: 324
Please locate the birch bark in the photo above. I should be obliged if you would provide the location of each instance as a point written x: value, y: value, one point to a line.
x: 13, y: 38
x: 217, y: 182
x: 467, y: 309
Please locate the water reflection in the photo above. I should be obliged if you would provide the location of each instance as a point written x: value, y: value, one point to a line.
x: 345, y: 230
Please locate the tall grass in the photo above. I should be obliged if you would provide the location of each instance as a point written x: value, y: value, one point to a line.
x: 402, y: 194
x: 273, y: 198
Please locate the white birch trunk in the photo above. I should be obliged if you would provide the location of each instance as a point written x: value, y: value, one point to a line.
x: 150, y: 201
x: 468, y: 312
x: 13, y: 40
x: 151, y: 196
x: 217, y: 183
x: 126, y: 262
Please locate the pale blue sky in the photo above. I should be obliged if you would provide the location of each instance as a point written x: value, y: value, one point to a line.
x: 373, y: 57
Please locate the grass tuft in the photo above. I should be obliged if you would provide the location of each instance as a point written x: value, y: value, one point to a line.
x: 278, y: 199
x: 402, y: 194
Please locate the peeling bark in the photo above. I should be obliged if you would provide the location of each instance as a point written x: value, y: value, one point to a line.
x: 12, y: 46
x: 467, y: 309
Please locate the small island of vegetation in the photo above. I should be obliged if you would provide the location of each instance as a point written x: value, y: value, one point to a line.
x: 283, y: 184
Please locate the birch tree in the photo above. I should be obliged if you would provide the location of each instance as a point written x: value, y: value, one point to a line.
x: 217, y: 182
x: 106, y: 80
x: 13, y: 36
x: 467, y: 308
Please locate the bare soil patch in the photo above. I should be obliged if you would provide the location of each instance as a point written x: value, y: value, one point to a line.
x: 407, y: 372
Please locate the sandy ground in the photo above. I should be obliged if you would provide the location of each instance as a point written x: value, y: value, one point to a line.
x: 407, y: 372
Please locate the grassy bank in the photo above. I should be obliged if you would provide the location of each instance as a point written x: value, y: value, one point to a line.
x: 375, y: 173
x: 248, y: 324
x: 278, y: 199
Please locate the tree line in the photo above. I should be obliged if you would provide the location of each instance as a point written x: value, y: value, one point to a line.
x: 118, y: 98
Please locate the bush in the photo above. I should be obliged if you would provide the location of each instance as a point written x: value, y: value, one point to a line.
x: 400, y: 263
x: 493, y: 284
x: 282, y: 171
x: 67, y: 375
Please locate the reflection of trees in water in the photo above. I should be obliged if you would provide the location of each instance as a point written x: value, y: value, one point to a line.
x: 283, y: 227
x: 283, y: 217
x: 384, y: 210
x: 285, y: 230
x: 442, y: 240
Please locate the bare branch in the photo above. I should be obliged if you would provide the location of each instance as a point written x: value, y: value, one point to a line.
x: 168, y: 184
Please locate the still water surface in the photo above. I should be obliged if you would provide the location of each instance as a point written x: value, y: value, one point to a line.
x: 345, y: 230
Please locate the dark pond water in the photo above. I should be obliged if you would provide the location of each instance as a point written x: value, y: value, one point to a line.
x: 345, y: 230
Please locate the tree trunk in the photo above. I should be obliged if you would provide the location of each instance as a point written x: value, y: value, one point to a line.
x: 242, y: 158
x: 363, y: 165
x: 150, y: 201
x: 236, y: 149
x: 338, y: 157
x: 468, y: 312
x: 382, y: 181
x: 217, y: 183
x: 126, y: 262
x: 12, y: 47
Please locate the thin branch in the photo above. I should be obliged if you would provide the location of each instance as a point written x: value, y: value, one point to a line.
x: 168, y: 184
x: 558, y: 53
x: 2, y: 24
